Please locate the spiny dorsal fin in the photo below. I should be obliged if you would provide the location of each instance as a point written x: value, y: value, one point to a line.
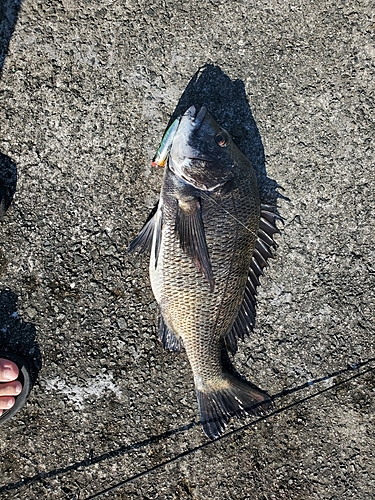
x: 190, y: 230
x: 245, y: 320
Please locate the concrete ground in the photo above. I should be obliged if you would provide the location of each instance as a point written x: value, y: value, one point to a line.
x: 86, y: 91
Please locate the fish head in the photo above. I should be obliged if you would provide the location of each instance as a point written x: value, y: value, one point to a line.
x: 202, y: 152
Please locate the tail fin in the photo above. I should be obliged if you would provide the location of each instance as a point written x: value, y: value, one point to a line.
x: 227, y: 398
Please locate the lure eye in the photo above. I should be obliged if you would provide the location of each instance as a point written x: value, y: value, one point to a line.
x: 221, y: 140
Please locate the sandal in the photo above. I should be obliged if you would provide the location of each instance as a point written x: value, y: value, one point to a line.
x: 24, y: 377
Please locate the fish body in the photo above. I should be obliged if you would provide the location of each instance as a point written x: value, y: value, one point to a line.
x: 204, y: 242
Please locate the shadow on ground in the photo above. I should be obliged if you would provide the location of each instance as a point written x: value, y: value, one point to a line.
x: 16, y: 335
x: 9, y: 10
x: 226, y: 100
x: 8, y: 182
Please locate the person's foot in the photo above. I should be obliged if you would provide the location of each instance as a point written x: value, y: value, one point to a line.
x: 9, y: 385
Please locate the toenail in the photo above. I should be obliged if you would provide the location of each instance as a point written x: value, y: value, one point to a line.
x: 18, y: 388
x: 8, y: 373
x: 10, y: 403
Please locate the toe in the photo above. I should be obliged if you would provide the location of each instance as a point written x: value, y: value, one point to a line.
x: 10, y: 388
x: 6, y: 402
x: 8, y: 370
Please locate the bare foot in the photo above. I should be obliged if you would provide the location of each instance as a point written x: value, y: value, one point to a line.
x: 9, y: 386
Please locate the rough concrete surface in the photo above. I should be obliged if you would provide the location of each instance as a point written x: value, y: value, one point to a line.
x: 87, y: 89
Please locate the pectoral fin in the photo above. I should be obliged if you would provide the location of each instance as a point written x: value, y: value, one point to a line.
x: 190, y: 230
x: 143, y: 242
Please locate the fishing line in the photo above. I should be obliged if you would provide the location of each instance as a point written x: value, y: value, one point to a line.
x: 78, y: 466
x: 230, y: 215
x: 229, y: 434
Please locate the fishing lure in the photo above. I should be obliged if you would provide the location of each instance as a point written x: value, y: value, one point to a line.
x: 162, y: 153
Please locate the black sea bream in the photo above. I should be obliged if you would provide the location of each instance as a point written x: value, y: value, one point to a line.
x: 209, y: 241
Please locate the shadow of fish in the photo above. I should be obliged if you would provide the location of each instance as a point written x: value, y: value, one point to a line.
x: 209, y: 240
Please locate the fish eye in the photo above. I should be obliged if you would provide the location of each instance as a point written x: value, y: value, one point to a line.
x: 221, y: 140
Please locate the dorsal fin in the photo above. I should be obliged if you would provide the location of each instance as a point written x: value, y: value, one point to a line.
x: 245, y: 320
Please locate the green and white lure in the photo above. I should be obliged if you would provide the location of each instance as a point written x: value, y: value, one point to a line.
x: 162, y: 153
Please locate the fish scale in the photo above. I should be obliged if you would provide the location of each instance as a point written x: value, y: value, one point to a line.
x: 203, y: 269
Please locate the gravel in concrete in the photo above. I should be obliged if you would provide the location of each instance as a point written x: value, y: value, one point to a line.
x: 86, y: 92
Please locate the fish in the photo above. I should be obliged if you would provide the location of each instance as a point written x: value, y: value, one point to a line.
x: 209, y: 240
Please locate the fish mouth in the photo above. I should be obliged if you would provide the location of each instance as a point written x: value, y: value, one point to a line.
x: 192, y: 119
x: 195, y: 117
